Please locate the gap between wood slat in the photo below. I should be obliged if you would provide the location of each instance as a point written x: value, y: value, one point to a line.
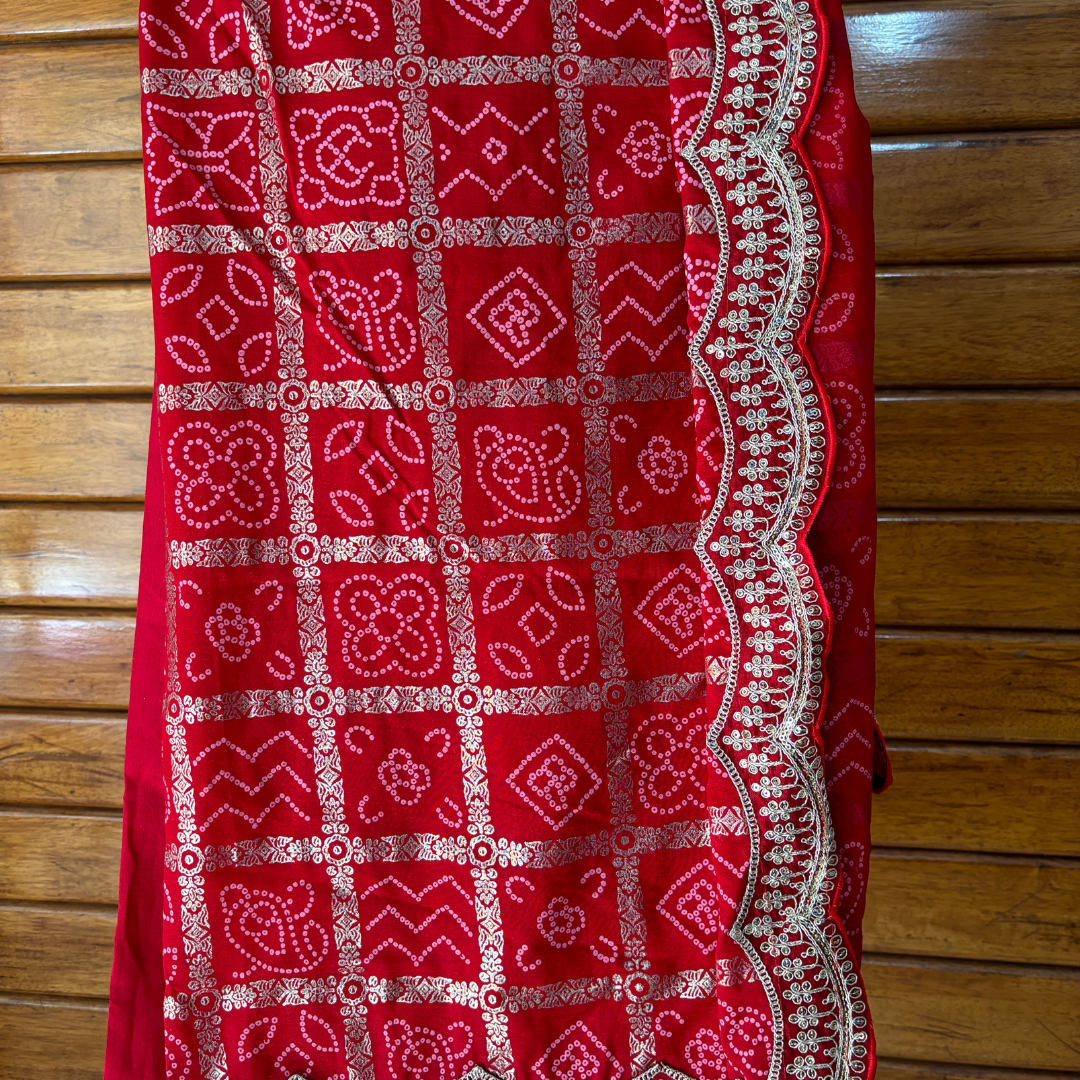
x: 92, y: 1004
x: 38, y: 20
x: 903, y: 1069
x: 89, y: 813
x: 986, y: 967
x: 59, y: 907
x: 1065, y: 862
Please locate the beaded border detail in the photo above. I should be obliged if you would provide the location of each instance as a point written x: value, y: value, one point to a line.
x: 751, y: 356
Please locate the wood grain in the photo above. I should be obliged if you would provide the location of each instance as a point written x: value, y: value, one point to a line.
x: 978, y: 907
x: 975, y: 1013
x: 56, y: 661
x: 934, y: 569
x: 936, y: 326
x: 53, y: 856
x: 962, y: 65
x: 978, y: 687
x: 932, y: 447
x: 919, y: 67
x: 52, y: 1039
x: 896, y: 1069
x: 72, y: 221
x: 73, y: 449
x: 61, y: 760
x: 69, y: 556
x: 1008, y: 571
x: 49, y: 950
x: 970, y: 797
x: 919, y: 903
x: 978, y: 449
x: 22, y: 20
x: 39, y: 85
x: 979, y: 197
x: 64, y: 338
x: 977, y: 326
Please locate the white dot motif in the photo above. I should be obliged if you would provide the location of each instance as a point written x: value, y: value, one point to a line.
x: 202, y: 160
x: 349, y: 156
x: 223, y: 476
x: 272, y: 932
x: 667, y: 754
x: 309, y: 20
x: 389, y: 626
x: 362, y: 321
x: 528, y: 479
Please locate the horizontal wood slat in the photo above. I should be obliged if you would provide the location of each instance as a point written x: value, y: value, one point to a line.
x: 52, y: 1040
x: 73, y: 449
x: 1013, y: 571
x: 59, y: 857
x: 96, y: 337
x: 61, y: 662
x: 961, y: 65
x: 950, y: 685
x: 72, y: 221
x: 977, y: 197
x: 984, y: 908
x: 22, y: 20
x: 965, y: 198
x: 61, y: 760
x: 932, y: 449
x: 971, y: 686
x: 40, y: 83
x: 69, y: 556
x: 977, y: 325
x: 895, y: 1069
x: 919, y: 67
x: 936, y: 326
x: 56, y: 951
x: 968, y: 797
x: 975, y: 449
x: 980, y: 1014
x: 977, y: 907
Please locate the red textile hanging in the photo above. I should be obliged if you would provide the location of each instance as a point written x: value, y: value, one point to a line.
x: 504, y: 355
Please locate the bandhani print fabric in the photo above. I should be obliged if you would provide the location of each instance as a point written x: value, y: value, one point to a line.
x: 507, y: 352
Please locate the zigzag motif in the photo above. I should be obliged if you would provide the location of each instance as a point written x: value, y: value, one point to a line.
x: 489, y: 110
x: 496, y: 193
x: 390, y: 911
x: 254, y: 822
x: 638, y: 17
x: 651, y: 353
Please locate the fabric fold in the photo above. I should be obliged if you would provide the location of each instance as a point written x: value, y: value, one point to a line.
x: 504, y: 355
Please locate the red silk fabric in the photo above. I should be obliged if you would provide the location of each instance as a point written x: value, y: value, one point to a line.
x: 505, y: 353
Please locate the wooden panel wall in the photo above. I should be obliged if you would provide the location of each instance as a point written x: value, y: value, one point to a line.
x: 973, y: 921
x: 973, y: 959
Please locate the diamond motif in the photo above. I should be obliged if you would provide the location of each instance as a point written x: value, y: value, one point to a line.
x: 517, y: 317
x: 494, y: 16
x: 577, y: 1054
x: 539, y: 624
x: 672, y: 611
x: 555, y: 783
x: 690, y: 905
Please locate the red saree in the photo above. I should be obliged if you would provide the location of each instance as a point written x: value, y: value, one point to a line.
x: 511, y: 479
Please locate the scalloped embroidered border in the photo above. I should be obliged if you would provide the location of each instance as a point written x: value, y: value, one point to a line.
x: 752, y: 339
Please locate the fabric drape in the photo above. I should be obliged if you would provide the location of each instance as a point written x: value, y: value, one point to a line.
x: 505, y: 620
